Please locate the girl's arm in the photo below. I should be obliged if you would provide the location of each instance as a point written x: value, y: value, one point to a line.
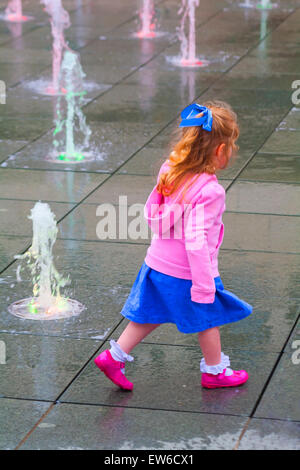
x: 200, y: 219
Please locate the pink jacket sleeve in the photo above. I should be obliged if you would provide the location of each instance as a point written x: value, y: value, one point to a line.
x: 200, y: 219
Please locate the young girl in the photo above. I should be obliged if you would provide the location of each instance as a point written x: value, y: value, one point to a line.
x: 179, y: 281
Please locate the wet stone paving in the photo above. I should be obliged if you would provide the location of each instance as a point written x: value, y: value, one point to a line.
x: 51, y: 394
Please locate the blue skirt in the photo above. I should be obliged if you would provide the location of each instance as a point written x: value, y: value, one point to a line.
x: 158, y: 298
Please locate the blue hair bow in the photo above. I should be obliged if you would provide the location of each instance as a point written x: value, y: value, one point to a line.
x: 189, y: 119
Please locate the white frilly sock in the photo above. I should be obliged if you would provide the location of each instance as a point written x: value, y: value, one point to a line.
x: 217, y: 368
x: 118, y: 354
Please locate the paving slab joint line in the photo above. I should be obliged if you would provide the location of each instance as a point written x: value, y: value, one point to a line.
x: 173, y: 410
x: 95, y: 240
x: 279, y: 153
x: 88, y: 360
x: 245, y: 180
x: 196, y: 346
x: 274, y: 367
x: 100, y: 94
x: 161, y: 51
x: 143, y: 65
x: 56, y: 401
x: 277, y: 214
x: 14, y: 260
x: 283, y: 420
x: 37, y: 26
x: 132, y: 18
x: 257, y: 151
x: 242, y: 434
x: 243, y: 431
x: 117, y: 169
x: 255, y: 46
x: 35, y: 426
x: 104, y: 92
x: 113, y: 85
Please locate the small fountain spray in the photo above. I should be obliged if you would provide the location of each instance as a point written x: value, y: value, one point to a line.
x: 70, y: 118
x: 188, y: 43
x: 147, y: 14
x: 247, y: 4
x: 14, y: 12
x: 266, y: 5
x: 59, y: 20
x: 263, y: 33
x: 47, y: 302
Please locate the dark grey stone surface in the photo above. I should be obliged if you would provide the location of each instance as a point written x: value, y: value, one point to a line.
x: 134, y: 97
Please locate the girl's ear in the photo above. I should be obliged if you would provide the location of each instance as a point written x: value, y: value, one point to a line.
x: 222, y: 156
x: 220, y: 150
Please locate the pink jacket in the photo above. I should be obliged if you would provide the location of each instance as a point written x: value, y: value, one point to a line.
x: 187, y: 235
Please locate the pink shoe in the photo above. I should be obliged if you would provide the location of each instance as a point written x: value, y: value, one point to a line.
x: 112, y: 370
x: 221, y: 380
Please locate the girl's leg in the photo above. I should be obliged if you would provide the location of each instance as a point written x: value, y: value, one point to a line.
x: 215, y: 369
x: 133, y: 335
x: 112, y: 362
x: 210, y: 344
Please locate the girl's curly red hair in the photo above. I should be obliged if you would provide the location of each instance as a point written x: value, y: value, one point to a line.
x: 195, y: 151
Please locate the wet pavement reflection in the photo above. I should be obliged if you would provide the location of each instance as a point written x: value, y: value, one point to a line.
x: 134, y: 92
